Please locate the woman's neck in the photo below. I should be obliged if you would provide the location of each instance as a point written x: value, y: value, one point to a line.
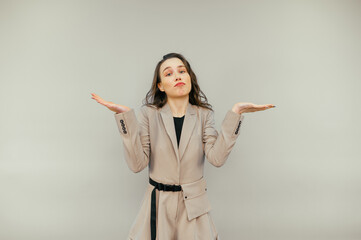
x: 178, y: 106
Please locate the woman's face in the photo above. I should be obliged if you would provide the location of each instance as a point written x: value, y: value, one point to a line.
x: 172, y: 72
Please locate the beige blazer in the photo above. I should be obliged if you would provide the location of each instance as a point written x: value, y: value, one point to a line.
x: 150, y: 140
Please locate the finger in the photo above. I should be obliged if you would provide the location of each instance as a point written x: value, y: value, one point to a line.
x: 96, y: 96
x: 267, y: 106
x: 260, y: 106
x: 99, y: 99
x: 102, y: 102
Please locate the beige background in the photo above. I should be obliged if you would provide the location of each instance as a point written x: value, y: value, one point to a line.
x: 294, y: 172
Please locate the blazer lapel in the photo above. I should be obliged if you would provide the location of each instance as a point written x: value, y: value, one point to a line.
x: 168, y: 121
x: 187, y: 128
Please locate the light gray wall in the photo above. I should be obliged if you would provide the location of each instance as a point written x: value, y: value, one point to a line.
x: 294, y: 172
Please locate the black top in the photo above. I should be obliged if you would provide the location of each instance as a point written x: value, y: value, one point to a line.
x: 178, y: 123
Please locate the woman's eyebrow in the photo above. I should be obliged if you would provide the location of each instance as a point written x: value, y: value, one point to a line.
x: 169, y: 67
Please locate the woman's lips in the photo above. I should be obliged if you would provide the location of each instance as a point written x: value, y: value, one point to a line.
x: 179, y: 84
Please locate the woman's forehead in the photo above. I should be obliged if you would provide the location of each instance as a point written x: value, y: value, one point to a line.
x: 172, y: 62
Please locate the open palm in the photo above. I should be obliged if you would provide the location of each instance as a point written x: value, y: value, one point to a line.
x: 243, y: 107
x: 110, y: 105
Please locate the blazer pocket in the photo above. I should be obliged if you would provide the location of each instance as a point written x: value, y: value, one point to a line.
x: 195, y: 198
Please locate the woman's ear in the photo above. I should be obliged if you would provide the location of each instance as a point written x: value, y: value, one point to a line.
x: 160, y: 87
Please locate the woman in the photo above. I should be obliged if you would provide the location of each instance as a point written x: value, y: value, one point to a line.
x: 172, y: 135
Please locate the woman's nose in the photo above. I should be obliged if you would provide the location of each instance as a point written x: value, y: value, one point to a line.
x: 177, y: 76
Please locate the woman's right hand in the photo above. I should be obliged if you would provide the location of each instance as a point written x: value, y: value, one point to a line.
x: 112, y: 106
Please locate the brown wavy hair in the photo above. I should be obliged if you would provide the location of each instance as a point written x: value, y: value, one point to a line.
x: 157, y: 98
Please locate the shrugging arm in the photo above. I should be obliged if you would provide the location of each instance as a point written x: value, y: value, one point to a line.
x: 217, y: 147
x: 136, y: 140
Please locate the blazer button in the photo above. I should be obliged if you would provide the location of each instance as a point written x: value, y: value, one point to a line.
x: 236, y: 132
x: 185, y: 197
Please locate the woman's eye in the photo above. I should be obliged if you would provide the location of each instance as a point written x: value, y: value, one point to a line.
x: 182, y: 71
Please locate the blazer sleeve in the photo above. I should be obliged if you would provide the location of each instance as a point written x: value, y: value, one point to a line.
x: 218, y: 146
x: 135, y: 136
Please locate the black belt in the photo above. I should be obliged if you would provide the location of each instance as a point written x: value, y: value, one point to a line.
x: 162, y: 187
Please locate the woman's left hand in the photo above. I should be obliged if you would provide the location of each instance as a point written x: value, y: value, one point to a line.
x: 243, y: 107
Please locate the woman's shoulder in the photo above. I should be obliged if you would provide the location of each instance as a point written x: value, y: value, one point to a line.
x: 204, y: 114
x: 148, y: 109
x: 204, y: 110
